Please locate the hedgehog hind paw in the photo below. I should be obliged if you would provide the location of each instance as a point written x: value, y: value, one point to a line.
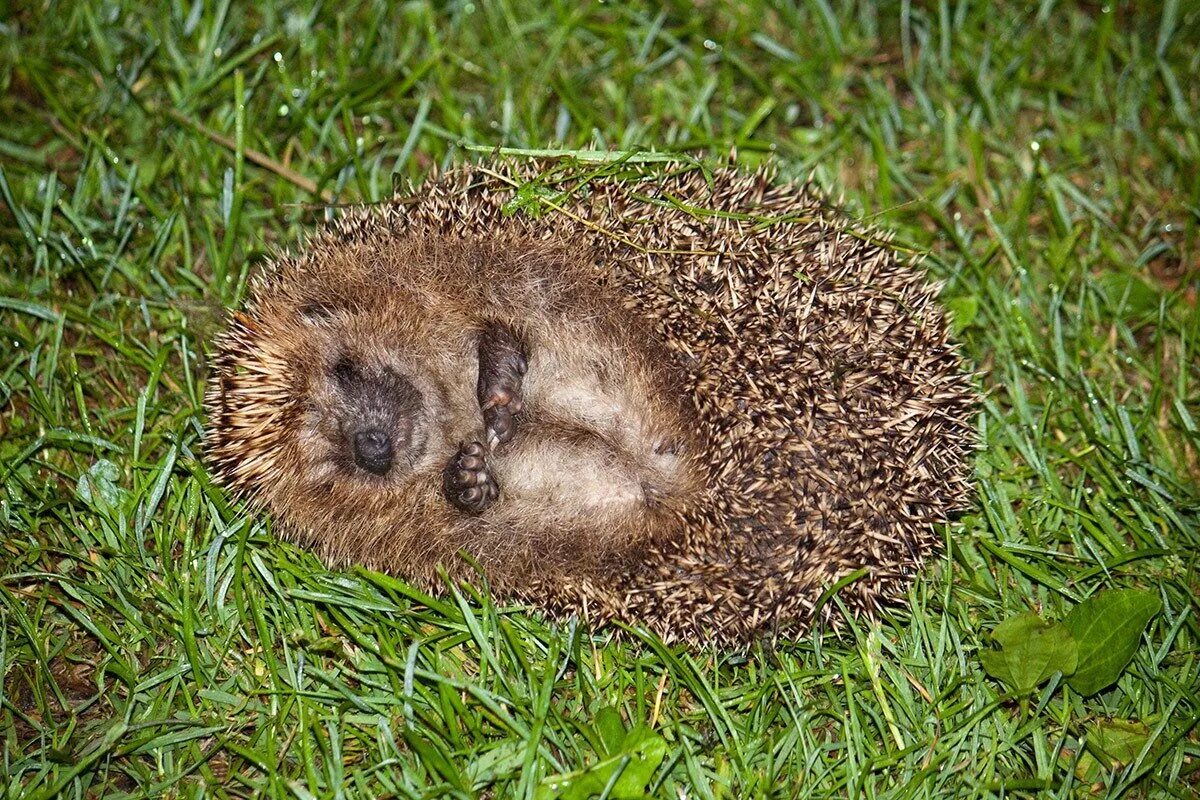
x: 499, y: 424
x: 502, y: 367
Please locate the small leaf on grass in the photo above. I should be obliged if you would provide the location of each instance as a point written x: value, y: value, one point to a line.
x: 98, y: 486
x: 497, y: 763
x: 1107, y: 628
x: 632, y: 762
x: 1031, y: 650
x: 1117, y: 742
x: 528, y: 200
x: 963, y: 311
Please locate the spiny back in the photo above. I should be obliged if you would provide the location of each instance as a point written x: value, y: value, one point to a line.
x: 837, y: 411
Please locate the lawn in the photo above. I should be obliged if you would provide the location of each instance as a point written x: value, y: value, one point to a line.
x: 155, y: 639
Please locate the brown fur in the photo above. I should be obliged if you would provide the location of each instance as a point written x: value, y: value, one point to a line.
x: 826, y: 413
x: 582, y: 487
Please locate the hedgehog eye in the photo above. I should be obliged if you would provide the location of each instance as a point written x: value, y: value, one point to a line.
x: 317, y: 312
x: 345, y: 372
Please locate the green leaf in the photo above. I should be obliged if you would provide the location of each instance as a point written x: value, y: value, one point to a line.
x: 1088, y: 768
x: 632, y: 764
x: 611, y: 727
x: 1129, y: 293
x: 1107, y: 628
x: 98, y: 486
x: 963, y: 311
x: 1031, y: 650
x: 528, y: 200
x: 1117, y: 742
x: 497, y: 763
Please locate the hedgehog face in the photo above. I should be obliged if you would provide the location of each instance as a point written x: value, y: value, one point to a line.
x: 369, y: 418
x: 376, y: 417
x: 324, y: 417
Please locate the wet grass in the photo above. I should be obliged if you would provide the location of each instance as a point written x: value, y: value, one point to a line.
x: 156, y: 641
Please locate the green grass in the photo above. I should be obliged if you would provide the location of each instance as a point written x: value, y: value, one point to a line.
x: 156, y: 641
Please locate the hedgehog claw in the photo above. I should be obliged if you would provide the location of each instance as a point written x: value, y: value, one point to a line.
x: 468, y: 483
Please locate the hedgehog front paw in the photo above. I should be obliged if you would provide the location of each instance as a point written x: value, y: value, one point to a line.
x: 468, y: 483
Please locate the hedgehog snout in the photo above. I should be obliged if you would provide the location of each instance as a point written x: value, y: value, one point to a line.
x: 373, y: 451
x: 380, y: 416
x: 379, y: 442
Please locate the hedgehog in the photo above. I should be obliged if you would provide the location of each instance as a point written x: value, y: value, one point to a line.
x: 693, y: 401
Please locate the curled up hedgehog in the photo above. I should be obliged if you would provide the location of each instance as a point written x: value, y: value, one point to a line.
x: 686, y: 400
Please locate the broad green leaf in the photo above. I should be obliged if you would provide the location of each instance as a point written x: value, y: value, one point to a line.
x: 1031, y: 650
x: 1117, y: 742
x: 639, y: 754
x: 1016, y: 629
x: 1088, y: 768
x: 611, y: 728
x: 1107, y: 628
x: 1130, y: 293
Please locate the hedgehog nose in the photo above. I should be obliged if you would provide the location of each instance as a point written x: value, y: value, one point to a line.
x: 373, y: 451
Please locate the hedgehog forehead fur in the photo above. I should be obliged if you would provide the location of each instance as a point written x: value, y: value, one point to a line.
x: 831, y: 415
